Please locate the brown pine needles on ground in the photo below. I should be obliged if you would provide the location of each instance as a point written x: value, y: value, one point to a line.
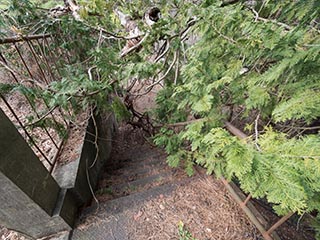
x: 205, y: 208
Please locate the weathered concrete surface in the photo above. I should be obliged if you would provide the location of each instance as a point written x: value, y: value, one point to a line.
x: 116, y: 216
x: 31, y: 200
x: 123, y: 190
x: 28, y: 192
x: 74, y: 176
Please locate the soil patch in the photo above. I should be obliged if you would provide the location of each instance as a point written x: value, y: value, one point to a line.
x: 6, y: 234
x: 205, y: 208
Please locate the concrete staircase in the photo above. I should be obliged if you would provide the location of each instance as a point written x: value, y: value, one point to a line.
x: 136, y: 173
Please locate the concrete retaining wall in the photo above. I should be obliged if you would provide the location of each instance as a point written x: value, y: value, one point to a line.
x: 31, y: 200
x: 74, y: 176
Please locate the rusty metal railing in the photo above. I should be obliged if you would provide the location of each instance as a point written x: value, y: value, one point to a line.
x: 32, y: 62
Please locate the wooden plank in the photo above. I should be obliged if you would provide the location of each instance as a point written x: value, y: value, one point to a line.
x: 253, y: 209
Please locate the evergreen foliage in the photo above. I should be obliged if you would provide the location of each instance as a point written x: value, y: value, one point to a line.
x: 264, y: 59
x: 252, y: 62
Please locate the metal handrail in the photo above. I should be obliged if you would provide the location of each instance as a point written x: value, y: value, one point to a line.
x: 21, y: 38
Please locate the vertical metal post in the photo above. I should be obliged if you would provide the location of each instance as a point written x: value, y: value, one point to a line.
x: 58, y: 70
x: 46, y: 60
x: 23, y: 61
x: 47, y: 73
x: 33, y: 108
x: 12, y: 74
x: 53, y: 57
x: 37, y: 61
x: 31, y: 105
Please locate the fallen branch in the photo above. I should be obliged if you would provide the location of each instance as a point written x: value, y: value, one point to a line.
x: 230, y: 2
x: 258, y: 18
x: 74, y: 8
x: 167, y: 72
x: 180, y: 124
x: 126, y: 52
x: 167, y: 46
x: 113, y: 35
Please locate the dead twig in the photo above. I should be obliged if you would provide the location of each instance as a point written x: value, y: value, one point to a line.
x: 14, y: 72
x: 90, y: 186
x: 258, y: 18
x: 167, y: 46
x: 95, y: 139
x: 112, y: 35
x: 44, y: 115
x: 224, y: 36
x: 89, y: 71
x: 176, y: 75
x: 180, y: 124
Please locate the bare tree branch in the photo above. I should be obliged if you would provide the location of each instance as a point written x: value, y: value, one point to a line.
x: 127, y: 51
x: 258, y: 18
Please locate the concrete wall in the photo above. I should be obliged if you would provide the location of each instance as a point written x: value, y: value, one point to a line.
x: 34, y: 202
x: 29, y: 194
x: 74, y: 175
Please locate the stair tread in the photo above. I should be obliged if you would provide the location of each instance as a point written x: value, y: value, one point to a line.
x: 155, y: 161
x: 137, y: 150
x: 136, y: 168
x: 130, y: 176
x: 115, y: 217
x: 118, y: 205
x: 135, y: 186
x: 144, y: 157
x: 133, y: 176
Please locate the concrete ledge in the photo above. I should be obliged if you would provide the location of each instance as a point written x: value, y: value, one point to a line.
x: 29, y: 193
x: 74, y: 178
x: 38, y: 204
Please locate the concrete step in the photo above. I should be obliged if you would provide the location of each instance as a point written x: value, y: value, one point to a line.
x: 124, y: 203
x: 130, y: 175
x: 154, y: 162
x: 128, y: 163
x: 128, y: 170
x: 135, y: 152
x: 116, y: 163
x: 113, y: 218
x: 123, y: 189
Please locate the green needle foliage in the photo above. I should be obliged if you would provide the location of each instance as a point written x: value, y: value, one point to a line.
x: 254, y: 62
x: 263, y: 58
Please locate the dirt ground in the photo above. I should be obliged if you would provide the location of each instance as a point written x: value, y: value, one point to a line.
x: 6, y: 234
x: 205, y: 209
